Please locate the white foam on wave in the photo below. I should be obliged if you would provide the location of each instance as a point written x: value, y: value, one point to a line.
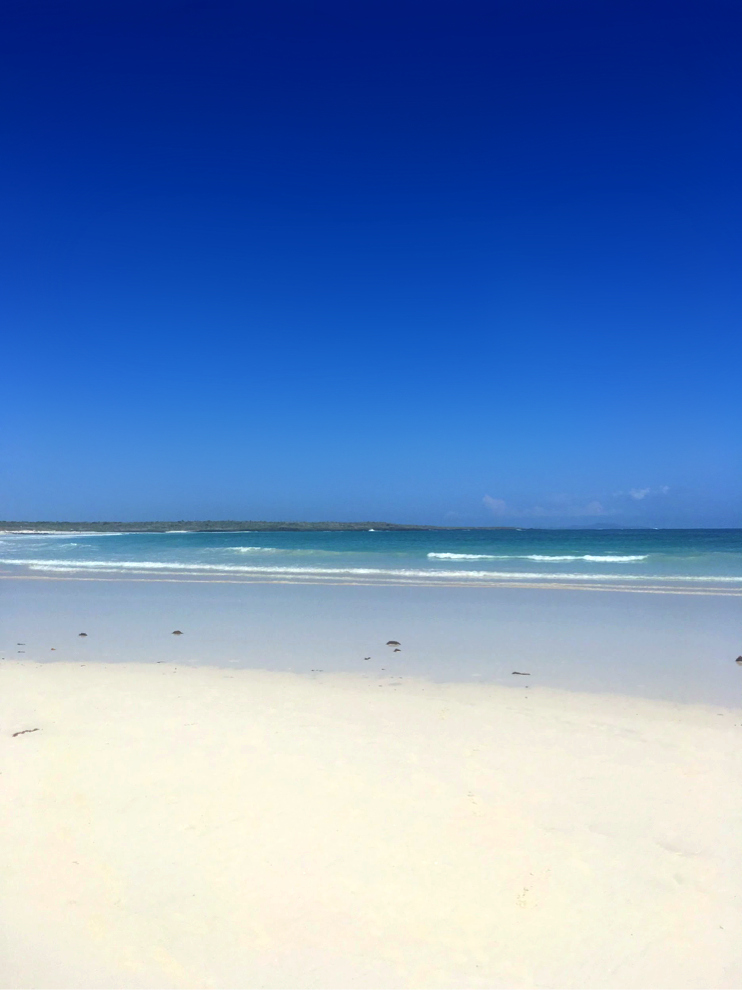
x: 54, y: 534
x: 155, y: 565
x: 608, y: 558
x: 290, y: 551
x: 256, y: 549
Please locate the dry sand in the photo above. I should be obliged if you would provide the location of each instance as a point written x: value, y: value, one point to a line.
x: 210, y: 828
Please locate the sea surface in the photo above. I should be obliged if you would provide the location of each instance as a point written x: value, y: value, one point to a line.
x: 672, y: 560
x: 464, y: 605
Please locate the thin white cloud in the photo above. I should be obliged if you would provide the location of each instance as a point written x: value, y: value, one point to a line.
x: 594, y: 508
x: 640, y: 493
x: 564, y: 506
x: 499, y: 507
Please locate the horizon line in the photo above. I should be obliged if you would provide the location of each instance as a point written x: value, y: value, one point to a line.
x: 234, y: 525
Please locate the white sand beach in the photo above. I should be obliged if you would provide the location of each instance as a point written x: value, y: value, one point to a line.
x: 167, y: 826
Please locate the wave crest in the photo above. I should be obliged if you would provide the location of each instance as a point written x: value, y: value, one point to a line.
x: 596, y: 558
x: 68, y: 566
x: 258, y: 549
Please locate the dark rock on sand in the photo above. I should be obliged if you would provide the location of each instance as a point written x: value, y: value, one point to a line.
x: 393, y: 642
x: 522, y: 673
x: 177, y: 632
x: 82, y: 634
x: 739, y: 661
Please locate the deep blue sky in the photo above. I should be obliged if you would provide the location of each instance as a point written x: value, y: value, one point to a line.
x: 453, y: 262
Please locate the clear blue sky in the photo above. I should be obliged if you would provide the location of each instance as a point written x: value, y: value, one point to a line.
x: 464, y: 263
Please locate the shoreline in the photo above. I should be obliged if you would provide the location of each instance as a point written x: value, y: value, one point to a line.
x: 266, y: 577
x: 662, y: 645
x: 257, y: 526
x: 203, y: 826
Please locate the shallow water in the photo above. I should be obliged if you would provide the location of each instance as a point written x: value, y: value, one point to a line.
x: 692, y: 559
x: 674, y: 646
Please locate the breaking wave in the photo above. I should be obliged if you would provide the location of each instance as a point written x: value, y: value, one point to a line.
x: 258, y: 549
x: 398, y: 574
x: 604, y: 558
x: 52, y: 534
x: 609, y: 558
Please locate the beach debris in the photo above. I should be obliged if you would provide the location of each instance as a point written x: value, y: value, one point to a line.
x: 82, y: 634
x: 23, y: 732
x: 177, y: 632
x: 397, y: 649
x: 20, y: 644
x: 393, y: 642
x: 522, y: 673
x: 739, y: 661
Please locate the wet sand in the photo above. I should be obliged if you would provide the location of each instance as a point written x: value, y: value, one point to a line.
x: 180, y: 826
x: 678, y: 647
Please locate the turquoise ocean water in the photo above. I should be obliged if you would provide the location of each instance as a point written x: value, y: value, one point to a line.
x: 330, y: 601
x: 671, y: 559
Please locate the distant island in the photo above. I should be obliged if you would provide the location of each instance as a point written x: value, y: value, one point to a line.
x: 216, y: 526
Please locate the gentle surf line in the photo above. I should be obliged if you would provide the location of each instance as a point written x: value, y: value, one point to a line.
x: 606, y: 558
x: 264, y: 577
x: 464, y: 576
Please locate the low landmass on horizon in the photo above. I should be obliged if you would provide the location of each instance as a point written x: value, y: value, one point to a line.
x: 212, y: 526
x: 252, y: 525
